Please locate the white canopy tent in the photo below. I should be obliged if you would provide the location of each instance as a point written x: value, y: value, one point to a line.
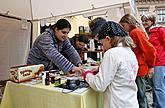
x: 39, y: 9
x: 15, y: 36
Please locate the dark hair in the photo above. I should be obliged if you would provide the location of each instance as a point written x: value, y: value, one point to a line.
x: 61, y: 24
x: 83, y: 38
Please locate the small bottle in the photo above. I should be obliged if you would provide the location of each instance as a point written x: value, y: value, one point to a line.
x: 43, y: 77
x: 52, y: 79
x: 85, y: 58
x: 47, y: 82
x: 92, y: 45
x: 101, y: 56
x: 99, y: 48
x: 98, y: 56
x: 81, y: 30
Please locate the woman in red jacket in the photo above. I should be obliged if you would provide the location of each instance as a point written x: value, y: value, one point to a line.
x: 145, y: 54
x: 157, y: 39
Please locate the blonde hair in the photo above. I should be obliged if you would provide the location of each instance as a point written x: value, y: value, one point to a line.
x: 133, y: 23
x: 127, y: 18
x: 126, y: 41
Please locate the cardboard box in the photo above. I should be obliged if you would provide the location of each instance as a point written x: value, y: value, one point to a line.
x: 25, y: 72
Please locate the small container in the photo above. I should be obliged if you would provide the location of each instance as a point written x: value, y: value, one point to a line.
x: 47, y: 74
x: 47, y: 82
x: 99, y: 46
x: 86, y: 29
x: 52, y: 79
x: 98, y: 56
x: 81, y: 30
x: 43, y: 77
x: 92, y: 45
x: 57, y: 81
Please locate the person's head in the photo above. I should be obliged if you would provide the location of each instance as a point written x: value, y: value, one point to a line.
x: 128, y: 22
x: 81, y: 40
x: 148, y: 20
x: 61, y: 29
x: 111, y: 34
x: 95, y: 25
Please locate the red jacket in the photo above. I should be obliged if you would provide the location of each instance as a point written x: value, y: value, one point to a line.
x: 144, y: 51
x: 157, y: 39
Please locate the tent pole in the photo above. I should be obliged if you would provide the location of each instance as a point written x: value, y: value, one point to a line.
x: 31, y: 9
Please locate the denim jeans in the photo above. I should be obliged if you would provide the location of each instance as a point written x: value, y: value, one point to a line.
x: 159, y: 86
x: 141, y: 94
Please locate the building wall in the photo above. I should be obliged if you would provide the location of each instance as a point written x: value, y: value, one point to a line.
x: 155, y: 7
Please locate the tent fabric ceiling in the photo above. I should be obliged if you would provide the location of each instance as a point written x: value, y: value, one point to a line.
x: 39, y: 9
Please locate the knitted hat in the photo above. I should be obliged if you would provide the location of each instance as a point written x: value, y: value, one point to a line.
x: 111, y: 29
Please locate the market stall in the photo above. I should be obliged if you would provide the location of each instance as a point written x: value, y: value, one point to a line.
x: 16, y: 39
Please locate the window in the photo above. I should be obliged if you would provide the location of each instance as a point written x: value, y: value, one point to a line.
x: 160, y: 14
x: 143, y: 11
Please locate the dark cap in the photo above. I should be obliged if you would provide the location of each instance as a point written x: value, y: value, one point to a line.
x: 95, y: 28
x: 111, y: 29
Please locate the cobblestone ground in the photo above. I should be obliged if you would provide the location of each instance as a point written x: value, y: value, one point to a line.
x: 149, y: 92
x: 150, y: 98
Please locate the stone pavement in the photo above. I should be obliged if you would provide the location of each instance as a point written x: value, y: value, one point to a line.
x: 150, y: 98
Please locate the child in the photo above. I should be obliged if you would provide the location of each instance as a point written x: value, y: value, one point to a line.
x: 145, y: 54
x: 118, y: 69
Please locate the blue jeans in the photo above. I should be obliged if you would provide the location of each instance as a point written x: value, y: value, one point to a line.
x: 141, y: 94
x: 159, y: 86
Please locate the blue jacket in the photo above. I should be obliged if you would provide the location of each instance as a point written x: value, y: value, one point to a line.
x: 47, y: 50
